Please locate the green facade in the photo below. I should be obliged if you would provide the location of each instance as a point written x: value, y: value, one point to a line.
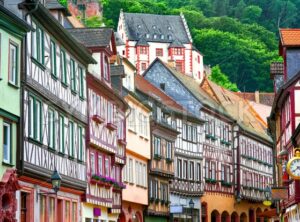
x: 12, y: 30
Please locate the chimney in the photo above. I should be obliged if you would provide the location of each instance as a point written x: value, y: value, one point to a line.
x: 257, y: 97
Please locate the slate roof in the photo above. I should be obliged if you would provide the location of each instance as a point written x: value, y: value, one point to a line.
x: 155, y: 28
x: 119, y: 40
x: 239, y: 109
x: 177, y: 44
x: 142, y: 42
x: 290, y: 37
x: 149, y: 89
x: 93, y: 37
x: 54, y: 4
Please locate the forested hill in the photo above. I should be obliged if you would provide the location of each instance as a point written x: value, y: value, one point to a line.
x: 241, y: 36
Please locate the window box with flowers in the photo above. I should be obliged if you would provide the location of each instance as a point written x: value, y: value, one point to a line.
x: 169, y: 160
x: 209, y: 180
x: 226, y: 184
x: 111, y: 126
x: 98, y: 119
x: 226, y: 143
x: 151, y: 199
x: 162, y: 201
x: 157, y: 156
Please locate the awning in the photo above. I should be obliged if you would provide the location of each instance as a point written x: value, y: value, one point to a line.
x: 269, y: 213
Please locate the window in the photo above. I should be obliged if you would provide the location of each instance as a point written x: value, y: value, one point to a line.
x: 81, y: 82
x: 132, y: 120
x: 42, y: 208
x: 35, y: 119
x: 198, y: 58
x: 185, y: 169
x: 92, y: 162
x: 159, y: 52
x: 192, y: 170
x: 157, y: 146
x: 143, y: 50
x: 178, y: 51
x: 106, y: 69
x: 51, y: 128
x: 179, y: 168
x: 51, y: 209
x: 110, y: 112
x: 73, y: 75
x: 61, y: 134
x: 67, y: 211
x: 37, y: 44
x: 53, y: 58
x: 63, y: 67
x: 143, y: 66
x: 179, y: 66
x: 130, y: 170
x: 169, y: 150
x: 198, y: 175
x: 213, y: 170
x: 145, y: 175
x: 141, y: 127
x: 100, y: 165
x: 7, y: 142
x: 80, y: 143
x: 207, y: 169
x: 71, y: 139
x: 106, y: 166
x: 13, y: 63
x: 74, y: 212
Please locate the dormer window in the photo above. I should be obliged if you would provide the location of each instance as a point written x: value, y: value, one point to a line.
x: 169, y: 37
x: 139, y: 26
x: 106, y: 69
x: 147, y: 36
x: 169, y: 28
x: 154, y: 27
x: 154, y: 36
x: 162, y: 37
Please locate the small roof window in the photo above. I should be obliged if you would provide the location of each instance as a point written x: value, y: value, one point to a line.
x: 169, y: 28
x: 139, y: 26
x: 154, y: 36
x: 154, y: 26
x: 169, y: 37
x: 162, y: 37
x: 147, y: 36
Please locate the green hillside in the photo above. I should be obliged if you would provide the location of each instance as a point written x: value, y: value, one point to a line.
x: 240, y: 36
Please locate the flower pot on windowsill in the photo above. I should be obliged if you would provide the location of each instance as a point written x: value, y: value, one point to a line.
x: 151, y: 199
x: 98, y: 119
x: 111, y: 126
x: 169, y: 160
x: 157, y: 157
x: 93, y: 181
x: 122, y: 142
x: 213, y: 138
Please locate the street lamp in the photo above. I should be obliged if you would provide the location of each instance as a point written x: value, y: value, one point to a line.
x: 55, y: 181
x: 192, y: 205
x: 268, y: 196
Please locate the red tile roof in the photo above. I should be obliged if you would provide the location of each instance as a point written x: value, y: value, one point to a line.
x: 146, y: 87
x: 290, y: 37
x: 263, y: 98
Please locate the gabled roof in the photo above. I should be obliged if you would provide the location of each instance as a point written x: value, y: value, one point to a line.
x: 282, y: 92
x: 157, y: 94
x: 54, y: 4
x: 176, y: 44
x: 93, y: 37
x: 193, y: 87
x: 119, y: 40
x: 239, y: 109
x: 142, y: 42
x: 50, y: 23
x: 289, y: 37
x: 156, y: 28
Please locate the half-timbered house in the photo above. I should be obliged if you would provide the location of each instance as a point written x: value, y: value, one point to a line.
x: 221, y: 197
x: 12, y: 32
x: 163, y: 137
x: 285, y: 117
x: 106, y: 137
x: 54, y: 118
x: 146, y: 37
x: 135, y: 196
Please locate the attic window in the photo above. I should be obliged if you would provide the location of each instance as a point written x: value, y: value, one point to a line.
x: 169, y: 28
x: 169, y: 37
x: 139, y: 26
x: 147, y: 36
x: 154, y: 27
x: 154, y: 36
x: 162, y: 86
x: 162, y: 37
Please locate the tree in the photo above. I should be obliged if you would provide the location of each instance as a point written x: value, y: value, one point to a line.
x: 221, y: 79
x: 251, y: 14
x: 63, y: 2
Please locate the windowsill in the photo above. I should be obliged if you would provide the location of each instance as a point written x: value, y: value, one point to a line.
x: 81, y: 98
x: 80, y: 161
x: 54, y: 77
x: 34, y: 141
x: 71, y: 157
x: 52, y: 150
x: 61, y: 154
x: 73, y: 92
x: 13, y: 85
x: 131, y: 130
x: 65, y: 85
x: 42, y: 66
x: 7, y: 164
